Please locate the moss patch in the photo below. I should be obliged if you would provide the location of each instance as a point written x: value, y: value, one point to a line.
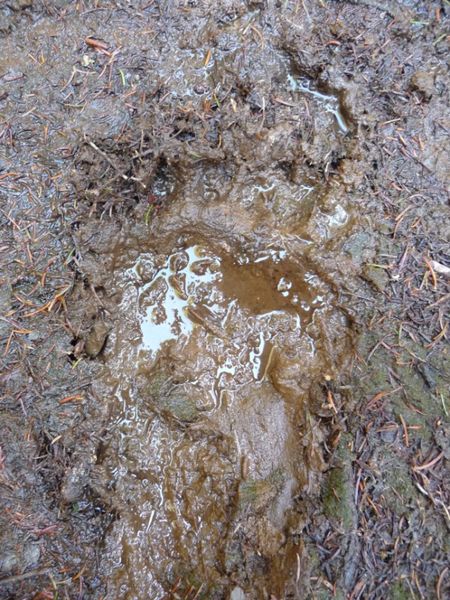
x: 338, y: 503
x: 171, y: 400
x: 399, y: 591
x: 257, y: 493
x: 399, y: 492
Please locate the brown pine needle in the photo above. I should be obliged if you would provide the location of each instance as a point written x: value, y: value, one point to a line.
x: 74, y: 398
x: 429, y: 464
x: 439, y: 583
x: 331, y: 402
x: 433, y: 274
x: 405, y: 431
x: 207, y: 58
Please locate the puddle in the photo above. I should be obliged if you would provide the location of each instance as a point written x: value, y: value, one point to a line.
x: 230, y: 315
x: 168, y: 300
x: 197, y: 287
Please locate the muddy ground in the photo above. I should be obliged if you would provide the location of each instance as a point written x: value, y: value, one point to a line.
x: 224, y: 288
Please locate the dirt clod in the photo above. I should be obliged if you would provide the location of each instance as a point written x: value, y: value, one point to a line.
x: 96, y: 339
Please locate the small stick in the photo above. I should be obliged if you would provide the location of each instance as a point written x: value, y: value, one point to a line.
x: 16, y: 578
x: 108, y: 160
x: 405, y: 431
x: 331, y: 402
x: 443, y: 299
x: 433, y: 274
x: 74, y: 398
x: 429, y: 464
x: 439, y: 583
x: 283, y: 102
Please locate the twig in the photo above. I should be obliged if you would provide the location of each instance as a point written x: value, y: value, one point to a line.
x: 16, y: 578
x: 108, y: 160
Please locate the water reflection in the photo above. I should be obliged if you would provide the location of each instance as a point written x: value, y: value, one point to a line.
x: 329, y: 102
x: 169, y: 295
x: 197, y: 287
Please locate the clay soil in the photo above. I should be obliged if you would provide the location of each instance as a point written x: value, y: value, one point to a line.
x: 138, y: 127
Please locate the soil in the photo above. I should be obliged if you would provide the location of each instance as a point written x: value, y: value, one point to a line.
x: 224, y: 289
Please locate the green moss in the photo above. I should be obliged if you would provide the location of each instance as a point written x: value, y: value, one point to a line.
x: 399, y: 591
x: 356, y: 245
x: 171, y: 400
x: 260, y: 493
x: 179, y: 406
x: 158, y: 383
x: 399, y: 492
x: 419, y: 395
x: 257, y: 493
x: 338, y: 503
x: 328, y: 595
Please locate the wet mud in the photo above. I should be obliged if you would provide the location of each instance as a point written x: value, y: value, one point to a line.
x: 224, y: 276
x: 215, y: 341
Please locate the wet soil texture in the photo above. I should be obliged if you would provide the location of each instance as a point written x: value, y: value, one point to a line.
x: 224, y: 285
